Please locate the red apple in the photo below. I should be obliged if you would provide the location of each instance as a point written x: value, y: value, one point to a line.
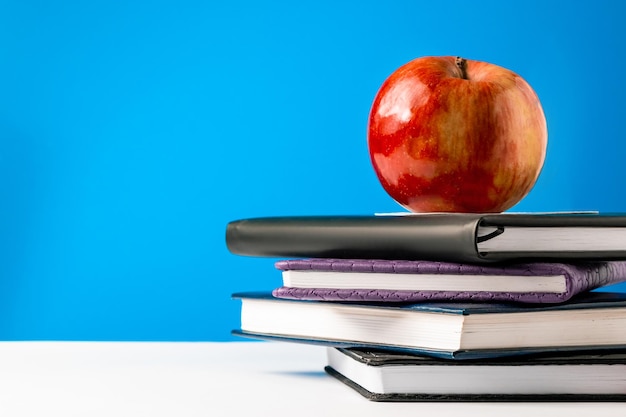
x: 446, y: 134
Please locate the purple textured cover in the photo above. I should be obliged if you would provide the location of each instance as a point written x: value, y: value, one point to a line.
x: 580, y: 277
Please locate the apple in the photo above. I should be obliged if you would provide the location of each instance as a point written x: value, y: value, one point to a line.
x: 448, y: 134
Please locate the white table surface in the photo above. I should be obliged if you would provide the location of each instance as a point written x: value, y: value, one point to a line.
x: 209, y: 379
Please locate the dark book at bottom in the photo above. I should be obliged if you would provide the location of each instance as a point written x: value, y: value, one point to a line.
x: 382, y: 375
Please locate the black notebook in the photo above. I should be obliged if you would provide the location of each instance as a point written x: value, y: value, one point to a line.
x: 381, y: 375
x: 451, y: 237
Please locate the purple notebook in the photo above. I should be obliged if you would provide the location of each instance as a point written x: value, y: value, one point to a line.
x: 396, y: 281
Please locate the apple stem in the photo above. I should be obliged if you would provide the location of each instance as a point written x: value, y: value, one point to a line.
x: 461, y: 63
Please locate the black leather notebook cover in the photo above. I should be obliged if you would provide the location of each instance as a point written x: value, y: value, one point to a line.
x: 444, y: 237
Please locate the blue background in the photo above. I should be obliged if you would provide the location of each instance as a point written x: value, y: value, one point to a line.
x: 131, y: 132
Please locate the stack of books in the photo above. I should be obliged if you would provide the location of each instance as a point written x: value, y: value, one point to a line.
x: 434, y: 307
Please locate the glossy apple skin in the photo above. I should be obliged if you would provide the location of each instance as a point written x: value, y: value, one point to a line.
x: 439, y: 142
